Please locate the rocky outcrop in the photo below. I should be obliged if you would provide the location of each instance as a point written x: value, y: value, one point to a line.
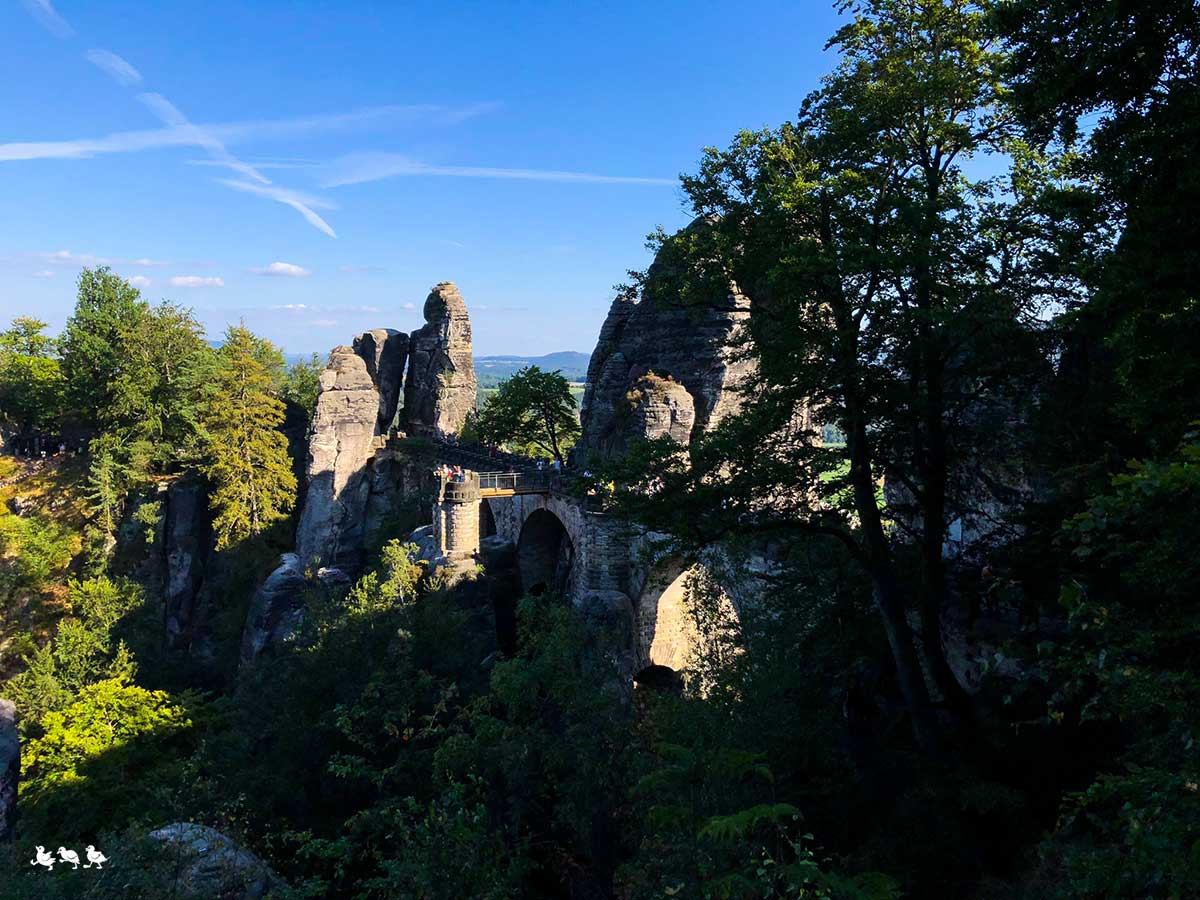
x: 661, y: 408
x: 344, y: 434
x: 277, y: 610
x: 439, y: 392
x: 385, y: 352
x: 206, y: 864
x: 687, y: 340
x: 10, y: 769
x: 187, y: 542
x: 351, y: 488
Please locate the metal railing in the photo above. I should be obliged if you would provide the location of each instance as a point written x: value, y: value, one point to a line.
x: 517, y: 482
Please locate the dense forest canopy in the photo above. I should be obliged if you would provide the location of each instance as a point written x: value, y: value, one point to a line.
x: 970, y: 666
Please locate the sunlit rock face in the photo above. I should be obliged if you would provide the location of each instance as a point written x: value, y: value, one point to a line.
x: 343, y: 437
x: 654, y: 349
x: 439, y: 392
x: 661, y: 408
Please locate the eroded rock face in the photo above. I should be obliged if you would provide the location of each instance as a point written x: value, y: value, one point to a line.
x: 342, y: 439
x: 661, y: 408
x: 689, y: 347
x: 188, y: 536
x: 206, y: 864
x: 277, y: 610
x: 385, y: 352
x: 10, y: 769
x: 439, y: 392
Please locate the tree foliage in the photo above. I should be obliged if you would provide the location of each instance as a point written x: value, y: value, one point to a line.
x: 531, y: 411
x: 247, y: 459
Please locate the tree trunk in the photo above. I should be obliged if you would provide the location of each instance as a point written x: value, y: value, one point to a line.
x: 889, y: 598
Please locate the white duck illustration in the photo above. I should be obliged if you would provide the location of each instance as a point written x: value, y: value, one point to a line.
x: 68, y: 856
x: 95, y: 857
x: 43, y: 859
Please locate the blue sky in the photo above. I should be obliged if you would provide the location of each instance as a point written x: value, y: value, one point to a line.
x: 314, y: 167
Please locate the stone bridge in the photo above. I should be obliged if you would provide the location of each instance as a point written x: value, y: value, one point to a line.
x: 384, y: 400
x: 566, y: 544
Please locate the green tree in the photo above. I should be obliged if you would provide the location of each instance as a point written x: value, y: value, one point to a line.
x: 32, y: 388
x: 1120, y: 82
x: 531, y: 411
x: 25, y: 337
x: 302, y: 384
x: 894, y: 296
x: 95, y: 343
x: 100, y: 754
x: 156, y: 394
x: 247, y: 460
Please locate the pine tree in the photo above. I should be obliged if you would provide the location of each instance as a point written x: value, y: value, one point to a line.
x: 253, y: 483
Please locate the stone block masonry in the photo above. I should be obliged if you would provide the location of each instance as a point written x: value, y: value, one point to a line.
x: 456, y: 517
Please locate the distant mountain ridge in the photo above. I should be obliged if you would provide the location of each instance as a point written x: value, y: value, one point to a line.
x: 491, y: 370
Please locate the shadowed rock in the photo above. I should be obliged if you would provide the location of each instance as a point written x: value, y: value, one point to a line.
x: 684, y: 346
x: 206, y: 864
x: 385, y: 352
x: 10, y: 769
x: 187, y: 533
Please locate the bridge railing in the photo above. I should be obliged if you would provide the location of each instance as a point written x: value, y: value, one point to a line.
x: 517, y: 482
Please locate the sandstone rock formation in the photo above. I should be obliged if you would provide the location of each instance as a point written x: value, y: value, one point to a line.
x: 439, y: 392
x: 187, y: 534
x: 277, y: 609
x: 206, y: 864
x: 343, y: 437
x: 10, y: 769
x: 682, y: 347
x: 385, y: 352
x: 661, y: 408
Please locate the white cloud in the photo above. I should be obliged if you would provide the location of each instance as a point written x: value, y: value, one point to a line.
x: 302, y: 203
x: 140, y: 281
x: 409, y: 306
x: 283, y: 269
x: 213, y: 139
x: 227, y: 133
x: 195, y: 281
x: 44, y: 12
x: 44, y: 273
x: 114, y: 67
x: 361, y: 167
x: 67, y: 258
x: 262, y: 164
x: 324, y: 323
x: 296, y: 307
x: 170, y: 116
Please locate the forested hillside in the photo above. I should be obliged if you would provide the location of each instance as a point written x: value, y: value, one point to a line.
x: 968, y: 664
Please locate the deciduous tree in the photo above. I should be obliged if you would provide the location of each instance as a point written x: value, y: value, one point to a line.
x: 531, y: 410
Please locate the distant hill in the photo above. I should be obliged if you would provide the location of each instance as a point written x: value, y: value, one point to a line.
x: 491, y: 370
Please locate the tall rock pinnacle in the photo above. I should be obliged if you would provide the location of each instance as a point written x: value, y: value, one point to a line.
x: 439, y: 392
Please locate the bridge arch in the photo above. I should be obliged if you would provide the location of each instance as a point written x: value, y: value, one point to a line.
x: 545, y: 554
x: 520, y: 520
x: 667, y: 634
